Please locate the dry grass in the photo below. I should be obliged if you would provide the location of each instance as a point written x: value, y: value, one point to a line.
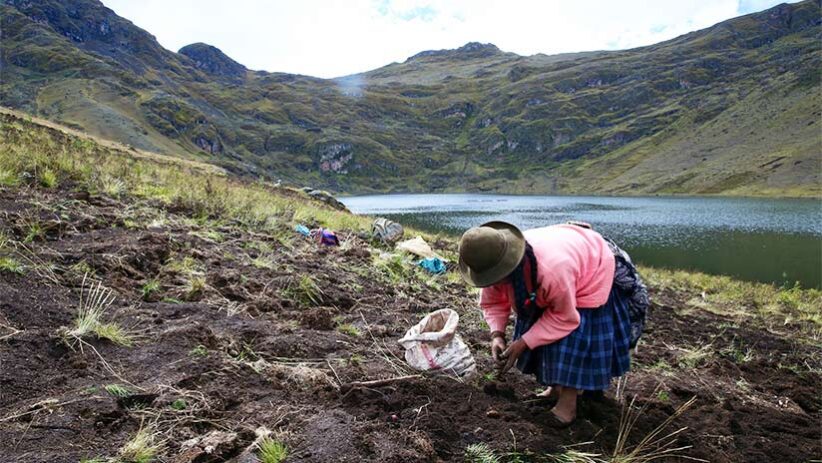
x: 94, y: 302
x: 143, y: 447
x: 657, y: 445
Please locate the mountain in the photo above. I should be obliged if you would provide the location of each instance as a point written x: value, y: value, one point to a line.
x: 732, y: 109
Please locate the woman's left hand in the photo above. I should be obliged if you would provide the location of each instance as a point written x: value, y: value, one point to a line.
x: 512, y: 353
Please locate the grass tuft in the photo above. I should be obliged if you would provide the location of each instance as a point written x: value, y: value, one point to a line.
x: 150, y: 288
x: 480, y: 453
x: 195, y: 285
x: 117, y: 390
x: 349, y: 329
x: 48, y: 179
x: 142, y: 448
x: 272, y: 451
x: 305, y: 291
x: 114, y: 333
x: 11, y: 265
x: 93, y: 306
x: 8, y: 178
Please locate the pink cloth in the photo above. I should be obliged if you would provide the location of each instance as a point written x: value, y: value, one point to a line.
x: 575, y: 269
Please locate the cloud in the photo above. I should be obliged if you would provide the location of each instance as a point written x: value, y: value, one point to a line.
x: 406, y: 10
x: 330, y: 38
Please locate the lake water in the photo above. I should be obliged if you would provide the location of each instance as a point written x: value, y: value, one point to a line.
x: 770, y: 240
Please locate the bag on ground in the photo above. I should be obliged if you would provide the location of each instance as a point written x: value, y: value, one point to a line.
x: 433, y: 344
x: 387, y: 231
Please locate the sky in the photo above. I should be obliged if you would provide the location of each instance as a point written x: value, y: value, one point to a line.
x: 333, y: 38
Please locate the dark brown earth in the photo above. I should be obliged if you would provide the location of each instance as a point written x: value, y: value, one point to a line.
x: 248, y: 350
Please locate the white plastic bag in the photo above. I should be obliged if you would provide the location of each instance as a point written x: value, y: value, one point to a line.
x: 433, y: 344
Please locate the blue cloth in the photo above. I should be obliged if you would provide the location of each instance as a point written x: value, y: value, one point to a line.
x: 590, y: 355
x: 302, y: 229
x: 434, y: 265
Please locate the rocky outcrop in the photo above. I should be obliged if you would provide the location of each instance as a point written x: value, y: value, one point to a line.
x: 212, y: 61
x: 324, y: 197
x: 335, y: 157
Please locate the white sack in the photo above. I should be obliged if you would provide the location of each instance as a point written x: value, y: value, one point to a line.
x: 433, y: 344
x: 418, y: 247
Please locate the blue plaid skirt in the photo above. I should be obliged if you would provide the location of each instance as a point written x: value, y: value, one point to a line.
x: 590, y: 355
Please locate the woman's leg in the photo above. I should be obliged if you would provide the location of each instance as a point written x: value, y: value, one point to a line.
x: 566, y: 407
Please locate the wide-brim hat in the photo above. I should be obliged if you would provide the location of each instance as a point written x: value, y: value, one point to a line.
x: 490, y: 252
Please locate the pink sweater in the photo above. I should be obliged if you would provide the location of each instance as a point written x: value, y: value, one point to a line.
x: 575, y: 269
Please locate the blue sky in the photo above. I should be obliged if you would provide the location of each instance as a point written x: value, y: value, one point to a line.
x: 331, y: 38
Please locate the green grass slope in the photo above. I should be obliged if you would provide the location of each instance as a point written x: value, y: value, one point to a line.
x: 732, y: 109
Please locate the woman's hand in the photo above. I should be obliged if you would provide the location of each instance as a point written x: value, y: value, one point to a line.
x: 512, y: 353
x: 497, y: 345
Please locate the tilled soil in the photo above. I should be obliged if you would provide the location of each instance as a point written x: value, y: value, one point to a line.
x: 250, y: 347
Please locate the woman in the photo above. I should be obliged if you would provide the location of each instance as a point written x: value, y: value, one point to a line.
x: 573, y: 327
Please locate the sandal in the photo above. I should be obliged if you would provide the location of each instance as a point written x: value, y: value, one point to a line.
x: 555, y: 422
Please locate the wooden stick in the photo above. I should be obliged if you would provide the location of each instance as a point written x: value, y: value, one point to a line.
x: 379, y: 382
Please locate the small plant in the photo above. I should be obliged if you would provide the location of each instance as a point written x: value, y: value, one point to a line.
x: 34, y: 231
x: 738, y: 353
x: 694, y: 357
x: 187, y: 265
x: 90, y: 313
x: 349, y: 329
x: 393, y: 268
x: 272, y: 451
x: 199, y: 351
x: 355, y: 360
x: 81, y: 268
x: 194, y: 288
x: 8, y: 178
x: 117, y: 390
x: 150, y: 288
x: 114, y: 333
x: 179, y: 404
x: 112, y: 186
x: 48, y: 179
x: 480, y: 453
x: 663, y: 396
x: 263, y: 262
x: 10, y: 265
x: 142, y: 448
x: 305, y: 291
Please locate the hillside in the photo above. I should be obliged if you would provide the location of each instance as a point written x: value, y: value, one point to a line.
x: 223, y: 324
x: 732, y: 109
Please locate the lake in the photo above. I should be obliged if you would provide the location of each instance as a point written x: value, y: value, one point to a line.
x: 769, y: 240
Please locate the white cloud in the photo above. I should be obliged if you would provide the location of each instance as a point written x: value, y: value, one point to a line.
x: 329, y: 38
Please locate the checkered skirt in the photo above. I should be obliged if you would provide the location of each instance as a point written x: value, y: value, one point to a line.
x: 590, y: 355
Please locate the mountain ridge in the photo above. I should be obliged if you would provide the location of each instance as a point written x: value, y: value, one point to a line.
x: 473, y: 118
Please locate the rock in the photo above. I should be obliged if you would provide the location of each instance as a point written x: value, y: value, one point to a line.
x: 325, y: 197
x: 214, y: 446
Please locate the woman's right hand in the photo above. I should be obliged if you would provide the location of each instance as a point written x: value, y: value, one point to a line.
x: 497, y: 346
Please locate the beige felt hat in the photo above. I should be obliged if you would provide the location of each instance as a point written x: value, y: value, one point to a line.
x: 490, y: 252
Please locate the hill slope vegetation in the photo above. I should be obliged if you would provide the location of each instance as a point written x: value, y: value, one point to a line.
x: 732, y: 109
